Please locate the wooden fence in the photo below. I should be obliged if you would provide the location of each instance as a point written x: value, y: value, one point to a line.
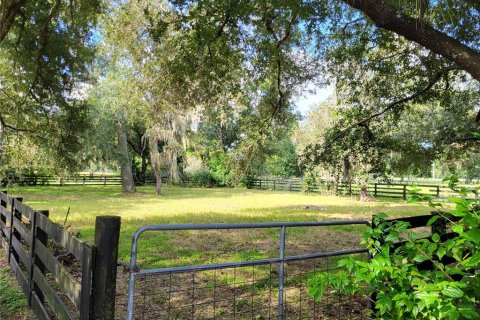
x: 389, y: 190
x: 61, y: 276
x: 43, y: 180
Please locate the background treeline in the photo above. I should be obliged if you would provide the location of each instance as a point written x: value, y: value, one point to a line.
x: 168, y: 90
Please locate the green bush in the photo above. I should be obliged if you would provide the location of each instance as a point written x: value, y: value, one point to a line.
x: 309, y: 182
x: 403, y: 291
x: 204, y: 178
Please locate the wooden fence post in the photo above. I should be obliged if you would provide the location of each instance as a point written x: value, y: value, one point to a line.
x: 274, y: 184
x: 42, y: 237
x: 107, y: 234
x: 350, y: 187
x: 13, y: 213
x: 375, y: 192
x: 404, y: 192
x: 438, y: 191
x: 3, y: 204
x: 32, y: 256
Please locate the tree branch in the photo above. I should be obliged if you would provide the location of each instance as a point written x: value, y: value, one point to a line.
x: 396, y: 103
x: 7, y: 126
x: 388, y: 17
x: 8, y: 19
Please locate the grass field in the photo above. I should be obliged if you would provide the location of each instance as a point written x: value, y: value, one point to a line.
x: 195, y: 205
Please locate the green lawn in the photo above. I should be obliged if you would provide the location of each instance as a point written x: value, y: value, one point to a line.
x: 196, y: 205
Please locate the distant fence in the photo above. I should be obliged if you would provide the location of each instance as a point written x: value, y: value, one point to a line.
x: 390, y: 190
x: 61, y: 276
x: 83, y: 179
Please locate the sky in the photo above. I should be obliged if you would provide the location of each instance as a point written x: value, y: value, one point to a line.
x: 311, y: 97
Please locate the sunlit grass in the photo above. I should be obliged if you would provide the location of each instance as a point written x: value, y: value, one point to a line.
x: 196, y: 205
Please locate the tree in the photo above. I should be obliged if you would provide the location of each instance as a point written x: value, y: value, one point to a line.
x: 45, y: 51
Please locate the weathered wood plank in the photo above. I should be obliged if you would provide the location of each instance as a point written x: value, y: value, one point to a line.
x: 38, y: 308
x: 62, y: 237
x: 64, y: 280
x: 23, y: 209
x: 20, y: 251
x: 20, y: 227
x: 53, y: 299
x: 22, y: 281
x: 86, y: 290
x: 4, y: 243
x: 4, y: 212
x: 4, y: 197
x: 3, y: 226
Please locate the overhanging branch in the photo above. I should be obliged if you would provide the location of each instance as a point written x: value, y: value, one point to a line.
x: 437, y: 77
x: 391, y: 18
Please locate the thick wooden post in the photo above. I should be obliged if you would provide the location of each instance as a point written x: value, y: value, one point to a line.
x: 404, y: 192
x: 14, y: 213
x: 438, y: 191
x: 32, y: 257
x: 107, y: 234
x: 42, y: 237
x: 4, y: 204
x: 375, y: 192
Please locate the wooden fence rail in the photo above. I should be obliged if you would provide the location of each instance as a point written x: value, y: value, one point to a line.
x: 53, y: 267
x: 388, y: 190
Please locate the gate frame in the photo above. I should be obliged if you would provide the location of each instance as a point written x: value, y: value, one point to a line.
x: 135, y: 271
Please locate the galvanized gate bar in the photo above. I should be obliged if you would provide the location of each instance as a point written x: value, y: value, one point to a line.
x: 249, y: 263
x: 281, y: 273
x: 134, y: 271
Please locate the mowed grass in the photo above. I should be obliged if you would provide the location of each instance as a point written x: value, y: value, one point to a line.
x: 196, y: 205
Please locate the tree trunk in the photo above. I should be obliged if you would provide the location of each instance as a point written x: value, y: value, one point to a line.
x: 347, y: 170
x: 156, y: 164
x: 143, y: 170
x: 171, y: 157
x: 128, y: 184
x: 363, y: 192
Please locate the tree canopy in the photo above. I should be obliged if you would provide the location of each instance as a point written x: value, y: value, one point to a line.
x: 156, y: 82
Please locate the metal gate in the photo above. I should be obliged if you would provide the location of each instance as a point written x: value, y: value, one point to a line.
x: 272, y: 288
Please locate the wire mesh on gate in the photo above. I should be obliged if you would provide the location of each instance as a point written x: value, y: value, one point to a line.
x: 246, y: 291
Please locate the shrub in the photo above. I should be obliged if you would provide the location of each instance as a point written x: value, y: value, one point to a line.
x: 309, y: 182
x: 204, y: 178
x: 402, y: 290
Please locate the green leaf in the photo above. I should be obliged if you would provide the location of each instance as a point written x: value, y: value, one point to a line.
x: 469, y: 313
x: 435, y: 237
x: 473, y: 235
x: 428, y: 297
x: 452, y: 292
x: 432, y: 220
x: 441, y: 252
x: 473, y: 261
x: 457, y: 228
x: 419, y: 258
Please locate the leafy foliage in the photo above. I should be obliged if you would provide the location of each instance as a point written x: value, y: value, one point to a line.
x: 403, y: 290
